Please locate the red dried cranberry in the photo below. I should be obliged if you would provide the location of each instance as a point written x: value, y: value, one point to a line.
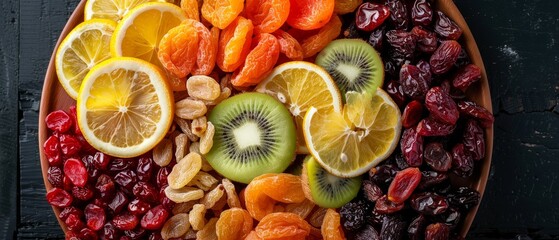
x: 396, y: 92
x: 73, y: 115
x: 430, y: 127
x: 162, y: 176
x: 421, y: 12
x: 127, y: 179
x: 68, y: 185
x: 67, y: 211
x: 100, y: 202
x: 85, y: 146
x: 437, y: 157
x: 52, y: 151
x: 119, y: 202
x: 376, y: 38
x: 430, y: 179
x: 441, y: 106
x: 145, y: 168
x: 58, y: 121
x: 92, y: 171
x: 59, y: 198
x: 411, y: 145
x: 145, y: 192
x: 412, y: 114
x: 413, y: 82
x: 106, y: 187
x: 398, y: 14
x: 94, y: 216
x: 125, y: 221
x: 155, y: 218
x: 429, y: 203
x: 462, y: 162
x: 466, y: 76
x: 121, y: 164
x: 138, y: 207
x: 82, y: 193
x: 471, y: 109
x: 445, y: 56
x: 75, y: 170
x: 101, y: 160
x: 447, y: 28
x: 71, y: 235
x: 88, y: 234
x: 370, y: 16
x: 426, y: 40
x: 69, y: 145
x: 136, y: 233
x: 166, y: 202
x: 74, y: 223
x: 474, y: 141
x: 110, y: 231
x: 385, y: 206
x: 402, y: 42
x: 437, y: 231
x: 129, y: 238
x: 403, y: 185
x: 371, y: 191
x: 55, y: 177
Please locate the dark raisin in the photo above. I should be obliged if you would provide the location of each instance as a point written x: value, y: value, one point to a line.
x: 462, y: 162
x: 370, y: 16
x: 376, y: 38
x: 441, y: 106
x: 412, y: 147
x: 447, y: 28
x: 429, y: 203
x: 437, y: 231
x: 421, y: 12
x: 416, y: 229
x: 451, y: 217
x: 464, y: 198
x: 413, y: 82
x: 466, y: 76
x: 376, y: 218
x: 430, y: 179
x: 471, y: 109
x: 371, y: 191
x: 385, y: 206
x: 430, y: 127
x: 382, y: 175
x: 396, y: 92
x: 403, y: 185
x: 398, y: 14
x: 445, y: 56
x: 353, y: 214
x: 437, y: 157
x: 393, y: 228
x: 400, y: 161
x: 412, y: 114
x: 402, y: 42
x: 425, y: 39
x: 368, y: 232
x: 474, y: 141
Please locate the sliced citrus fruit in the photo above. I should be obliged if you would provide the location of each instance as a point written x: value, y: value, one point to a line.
x: 85, y: 46
x: 139, y: 32
x: 124, y: 107
x: 349, y: 143
x: 300, y: 85
x: 111, y: 9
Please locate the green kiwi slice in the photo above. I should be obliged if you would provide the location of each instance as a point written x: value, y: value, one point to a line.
x: 328, y: 190
x: 353, y: 64
x: 254, y: 134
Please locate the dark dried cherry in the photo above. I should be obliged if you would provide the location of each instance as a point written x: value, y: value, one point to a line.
x: 474, y: 141
x: 425, y: 39
x: 429, y: 127
x: 125, y: 221
x: 471, y: 109
x: 437, y: 157
x: 462, y: 162
x: 101, y: 161
x: 145, y: 168
x: 429, y: 203
x: 402, y: 42
x: 370, y: 16
x: 106, y: 187
x: 464, y: 198
x: 162, y: 174
x: 58, y: 121
x: 437, y: 231
x: 138, y: 207
x: 412, y: 114
x: 127, y: 179
x: 416, y: 229
x: 411, y: 145
x: 146, y: 192
x: 119, y: 202
x: 398, y: 13
x: 446, y: 28
x: 441, y: 106
x: 421, y: 12
x: 403, y: 185
x: 445, y: 56
x: 384, y: 206
x: 413, y: 82
x: 466, y: 76
x: 121, y: 164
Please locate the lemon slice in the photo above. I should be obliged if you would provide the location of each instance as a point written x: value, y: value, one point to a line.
x: 349, y: 143
x: 139, y: 32
x: 86, y: 45
x: 124, y: 107
x: 300, y: 85
x: 111, y: 9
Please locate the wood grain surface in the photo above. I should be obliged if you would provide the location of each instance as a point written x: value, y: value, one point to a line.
x: 517, y: 39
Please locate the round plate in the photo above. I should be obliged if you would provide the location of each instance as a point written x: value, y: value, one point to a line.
x: 54, y: 97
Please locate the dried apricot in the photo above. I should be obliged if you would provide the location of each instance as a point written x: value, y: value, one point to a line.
x: 282, y: 187
x: 259, y: 62
x: 310, y: 14
x: 289, y: 45
x: 207, y: 51
x: 190, y: 7
x: 178, y: 49
x: 234, y: 44
x: 283, y: 226
x: 267, y: 15
x: 233, y: 223
x: 177, y: 84
x: 346, y: 6
x: 221, y: 13
x: 331, y: 228
x: 256, y: 202
x: 253, y: 236
x: 314, y: 44
x: 303, y: 209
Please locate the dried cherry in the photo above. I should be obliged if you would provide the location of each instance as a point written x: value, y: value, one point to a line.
x: 474, y: 141
x: 441, y: 106
x: 411, y: 145
x: 369, y: 16
x: 437, y: 157
x: 403, y: 185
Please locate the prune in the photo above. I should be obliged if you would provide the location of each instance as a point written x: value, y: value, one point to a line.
x: 353, y: 214
x: 429, y: 203
x: 385, y: 206
x: 437, y: 157
x: 462, y: 162
x: 416, y: 229
x: 464, y: 198
x: 412, y: 114
x: 393, y: 228
x: 466, y: 76
x: 474, y: 142
x: 376, y: 38
x: 367, y: 232
x: 413, y: 82
x: 421, y: 12
x: 447, y: 28
x: 473, y: 110
x: 430, y: 179
x: 382, y: 175
x: 441, y: 106
x: 398, y: 13
x: 437, y: 231
x: 445, y: 56
x: 396, y: 92
x: 426, y: 40
x: 370, y: 16
x: 403, y: 185
x: 411, y: 145
x: 371, y: 191
x: 429, y: 127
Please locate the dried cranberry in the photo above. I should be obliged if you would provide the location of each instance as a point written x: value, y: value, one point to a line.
x: 441, y: 106
x: 396, y: 92
x: 376, y: 38
x: 413, y: 82
x: 478, y: 112
x: 94, y: 216
x: 106, y: 187
x: 55, y: 177
x: 371, y: 191
x: 58, y: 121
x: 75, y: 170
x: 88, y: 234
x: 352, y: 214
x: 125, y: 221
x: 384, y: 206
x: 85, y: 146
x: 411, y: 145
x: 416, y: 229
x: 92, y: 171
x: 52, y: 151
x: 445, y: 56
x: 398, y: 13
x: 67, y: 211
x: 121, y: 164
x: 437, y: 231
x: 426, y: 40
x: 127, y: 179
x: 462, y: 162
x: 74, y: 117
x: 370, y: 16
x: 72, y: 235
x: 429, y: 203
x: 447, y: 28
x: 110, y: 231
x: 474, y: 141
x: 412, y: 114
x: 145, y: 192
x: 155, y: 218
x: 165, y: 201
x: 138, y: 207
x: 367, y: 232
x: 465, y: 76
x: 402, y: 42
x: 421, y: 12
x: 162, y: 176
x: 145, y: 168
x: 101, y: 160
x: 430, y: 127
x: 464, y: 198
x: 59, y: 198
x: 68, y: 185
x: 69, y: 145
x: 82, y: 193
x: 74, y: 223
x: 437, y: 157
x: 429, y: 179
x: 137, y: 233
x: 383, y: 174
x: 119, y: 202
x: 393, y: 227
x: 403, y: 185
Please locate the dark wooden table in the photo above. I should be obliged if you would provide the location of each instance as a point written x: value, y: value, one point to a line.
x: 518, y: 39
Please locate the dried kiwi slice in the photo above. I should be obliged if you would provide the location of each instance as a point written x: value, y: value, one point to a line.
x: 327, y: 190
x: 353, y: 64
x: 254, y: 134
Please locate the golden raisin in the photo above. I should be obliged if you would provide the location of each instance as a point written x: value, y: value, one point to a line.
x: 331, y: 228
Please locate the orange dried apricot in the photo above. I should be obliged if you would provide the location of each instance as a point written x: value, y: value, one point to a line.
x: 314, y: 44
x: 267, y: 15
x: 253, y: 236
x: 346, y: 6
x: 331, y: 228
x: 289, y: 45
x: 283, y: 226
x: 233, y: 224
x: 190, y: 7
x: 282, y: 187
x: 221, y: 13
x: 310, y: 14
x: 259, y: 61
x: 207, y: 51
x: 256, y: 202
x: 178, y: 49
x: 303, y: 209
x: 177, y: 84
x: 234, y: 44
